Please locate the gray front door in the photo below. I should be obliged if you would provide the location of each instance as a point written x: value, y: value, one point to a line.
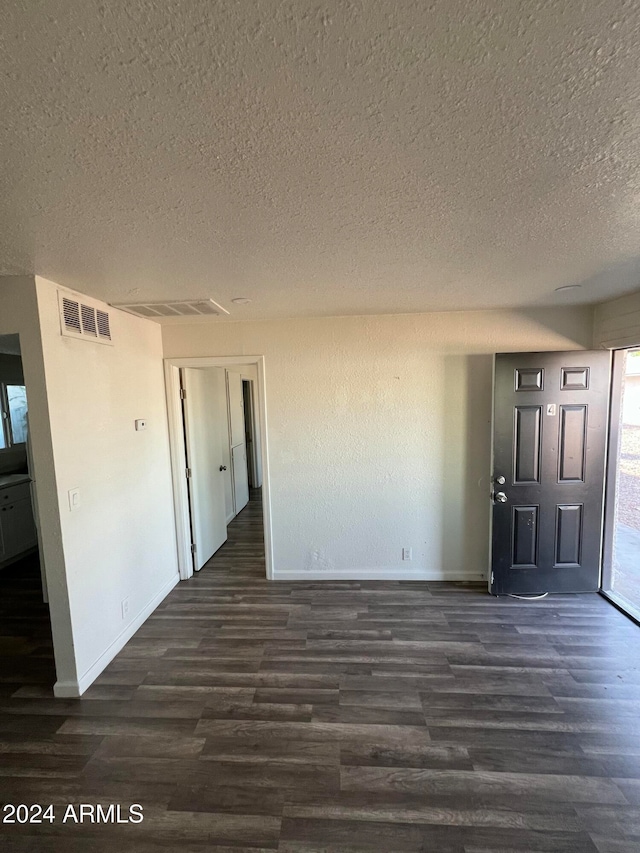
x: 549, y: 447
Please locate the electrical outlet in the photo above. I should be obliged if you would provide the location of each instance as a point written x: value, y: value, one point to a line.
x: 407, y: 554
x: 125, y: 608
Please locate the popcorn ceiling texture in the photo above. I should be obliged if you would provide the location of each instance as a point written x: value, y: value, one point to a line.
x: 339, y: 157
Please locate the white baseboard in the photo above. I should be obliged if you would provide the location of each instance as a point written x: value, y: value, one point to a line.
x: 66, y: 690
x: 378, y: 574
x: 73, y: 689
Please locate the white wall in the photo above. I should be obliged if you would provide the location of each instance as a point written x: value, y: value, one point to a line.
x: 617, y: 322
x: 19, y: 314
x: 120, y: 542
x: 379, y: 432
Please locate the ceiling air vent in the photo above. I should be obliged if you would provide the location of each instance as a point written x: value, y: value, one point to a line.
x: 84, y: 321
x: 174, y: 310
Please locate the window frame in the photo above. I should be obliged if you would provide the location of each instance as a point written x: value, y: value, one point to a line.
x: 5, y: 416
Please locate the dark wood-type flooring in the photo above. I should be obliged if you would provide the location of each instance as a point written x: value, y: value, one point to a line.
x: 334, y: 717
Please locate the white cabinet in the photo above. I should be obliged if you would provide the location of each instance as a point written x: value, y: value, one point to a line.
x: 17, y: 528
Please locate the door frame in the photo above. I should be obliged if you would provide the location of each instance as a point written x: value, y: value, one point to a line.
x: 252, y: 428
x: 178, y: 455
x: 611, y: 478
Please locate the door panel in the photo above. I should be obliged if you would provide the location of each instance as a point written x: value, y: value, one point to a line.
x: 573, y: 429
x: 525, y: 536
x: 205, y: 432
x: 236, y: 409
x: 568, y: 535
x: 527, y: 444
x: 249, y: 429
x: 550, y: 429
x: 240, y: 476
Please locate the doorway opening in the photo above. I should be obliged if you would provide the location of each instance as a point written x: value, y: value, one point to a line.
x: 621, y: 566
x: 26, y: 644
x: 217, y: 429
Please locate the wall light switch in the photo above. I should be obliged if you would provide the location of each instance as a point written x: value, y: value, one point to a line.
x: 141, y: 424
x: 407, y: 554
x: 74, y: 499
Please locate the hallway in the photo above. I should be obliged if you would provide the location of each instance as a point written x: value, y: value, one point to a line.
x: 350, y: 716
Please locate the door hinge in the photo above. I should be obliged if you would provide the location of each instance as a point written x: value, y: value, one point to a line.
x: 183, y: 394
x: 188, y: 472
x: 193, y: 549
x: 491, y: 578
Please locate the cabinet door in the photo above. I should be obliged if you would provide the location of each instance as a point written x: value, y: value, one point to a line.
x: 18, y: 529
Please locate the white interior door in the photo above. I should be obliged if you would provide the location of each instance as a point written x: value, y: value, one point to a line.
x: 237, y: 441
x: 236, y: 409
x: 249, y: 431
x: 205, y: 435
x: 240, y: 475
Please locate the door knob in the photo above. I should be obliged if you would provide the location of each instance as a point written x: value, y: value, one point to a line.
x: 501, y: 480
x: 223, y: 467
x: 501, y: 497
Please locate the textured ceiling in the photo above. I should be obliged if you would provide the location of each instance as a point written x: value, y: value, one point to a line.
x: 330, y: 157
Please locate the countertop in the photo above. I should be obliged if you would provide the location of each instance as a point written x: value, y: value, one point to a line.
x: 13, y: 480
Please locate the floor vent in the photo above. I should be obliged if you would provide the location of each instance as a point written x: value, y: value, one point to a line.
x: 164, y: 310
x: 83, y: 320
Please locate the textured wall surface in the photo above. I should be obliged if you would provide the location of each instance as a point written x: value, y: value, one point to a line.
x: 340, y: 157
x: 19, y: 315
x: 379, y: 431
x: 120, y: 542
x: 617, y: 322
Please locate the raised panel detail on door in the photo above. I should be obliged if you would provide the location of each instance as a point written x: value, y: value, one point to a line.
x: 572, y: 444
x: 530, y: 379
x: 549, y: 448
x: 528, y: 431
x: 525, y: 536
x: 574, y: 379
x: 568, y: 535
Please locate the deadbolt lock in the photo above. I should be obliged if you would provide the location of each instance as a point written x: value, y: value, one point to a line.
x: 501, y: 480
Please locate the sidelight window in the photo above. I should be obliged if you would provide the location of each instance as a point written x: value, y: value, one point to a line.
x: 621, y: 576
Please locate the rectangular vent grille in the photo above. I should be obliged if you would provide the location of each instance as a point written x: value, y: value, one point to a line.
x: 104, y: 327
x: 71, y: 315
x: 88, y: 320
x: 80, y: 320
x: 184, y: 308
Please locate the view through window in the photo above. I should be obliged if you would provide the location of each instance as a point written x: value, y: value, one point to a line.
x: 625, y: 563
x: 17, y: 402
x: 13, y: 402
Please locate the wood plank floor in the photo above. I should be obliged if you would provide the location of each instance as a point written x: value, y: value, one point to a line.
x: 334, y: 717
